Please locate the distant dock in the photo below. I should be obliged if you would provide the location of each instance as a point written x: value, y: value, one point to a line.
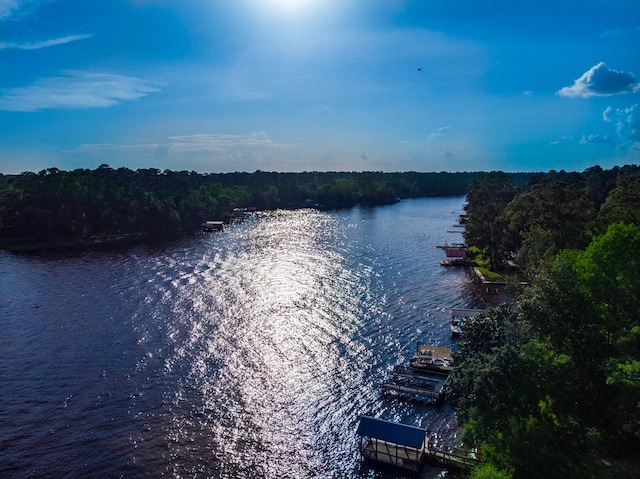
x: 208, y: 226
x: 451, y: 245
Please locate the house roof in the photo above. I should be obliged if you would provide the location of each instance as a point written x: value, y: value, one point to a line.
x: 394, y: 432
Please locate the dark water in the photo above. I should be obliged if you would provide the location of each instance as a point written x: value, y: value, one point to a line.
x: 245, y: 353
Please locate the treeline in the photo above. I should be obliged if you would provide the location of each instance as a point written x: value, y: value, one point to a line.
x: 551, y: 212
x: 549, y: 387
x: 56, y: 206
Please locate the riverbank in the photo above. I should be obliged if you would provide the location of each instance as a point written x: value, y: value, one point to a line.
x: 34, y: 245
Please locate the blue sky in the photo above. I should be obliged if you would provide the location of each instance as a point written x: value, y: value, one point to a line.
x: 327, y: 85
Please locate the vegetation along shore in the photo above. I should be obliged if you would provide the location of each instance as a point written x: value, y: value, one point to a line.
x: 549, y: 386
x: 55, y: 208
x: 546, y: 387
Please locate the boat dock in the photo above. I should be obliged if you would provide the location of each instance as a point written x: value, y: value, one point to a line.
x: 426, y: 385
x: 458, y: 317
x: 451, y: 245
x: 405, y: 446
x: 211, y: 225
x: 425, y: 377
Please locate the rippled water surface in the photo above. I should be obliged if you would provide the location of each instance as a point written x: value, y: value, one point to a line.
x: 246, y: 353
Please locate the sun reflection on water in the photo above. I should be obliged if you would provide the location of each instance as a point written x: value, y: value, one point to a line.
x: 270, y: 330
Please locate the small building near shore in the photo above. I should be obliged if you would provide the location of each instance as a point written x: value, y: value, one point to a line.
x: 212, y: 225
x: 407, y: 447
x: 392, y: 443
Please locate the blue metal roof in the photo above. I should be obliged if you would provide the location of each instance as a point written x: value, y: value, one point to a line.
x: 394, y: 432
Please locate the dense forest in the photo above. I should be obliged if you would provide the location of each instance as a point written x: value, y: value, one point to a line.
x: 549, y: 386
x: 55, y: 207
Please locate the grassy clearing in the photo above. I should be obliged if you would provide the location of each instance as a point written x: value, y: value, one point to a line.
x: 482, y: 264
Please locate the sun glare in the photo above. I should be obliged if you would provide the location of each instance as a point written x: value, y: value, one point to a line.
x: 290, y: 5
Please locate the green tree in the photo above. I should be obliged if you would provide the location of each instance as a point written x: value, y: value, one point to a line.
x: 608, y: 272
x: 550, y: 386
x: 622, y: 204
x: 486, y: 202
x: 549, y: 216
x: 488, y: 471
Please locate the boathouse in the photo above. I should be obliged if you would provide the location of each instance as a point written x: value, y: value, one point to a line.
x: 391, y: 443
x: 212, y: 226
x: 455, y: 256
x: 406, y: 446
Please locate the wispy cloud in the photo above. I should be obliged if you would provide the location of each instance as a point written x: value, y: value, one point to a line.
x: 76, y: 90
x: 562, y: 139
x: 600, y: 80
x: 620, y: 31
x: 627, y: 121
x: 438, y: 132
x: 222, y: 142
x: 202, y: 142
x: 43, y: 44
x: 596, y: 139
x: 220, y: 151
x: 8, y: 7
x: 13, y: 9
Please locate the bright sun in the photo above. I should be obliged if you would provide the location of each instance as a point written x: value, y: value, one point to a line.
x: 297, y: 10
x: 290, y: 4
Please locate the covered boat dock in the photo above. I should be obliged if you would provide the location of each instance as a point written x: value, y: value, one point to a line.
x: 405, y: 446
x: 391, y: 443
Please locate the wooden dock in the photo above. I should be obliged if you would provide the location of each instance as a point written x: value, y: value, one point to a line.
x: 451, y: 245
x: 424, y: 385
x: 451, y: 459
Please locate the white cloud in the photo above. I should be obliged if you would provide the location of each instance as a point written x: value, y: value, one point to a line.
x: 438, y: 132
x: 562, y: 139
x: 15, y: 9
x: 600, y: 80
x: 8, y: 7
x: 203, y: 142
x: 627, y: 121
x: 596, y: 139
x: 75, y: 90
x: 222, y: 142
x: 43, y: 44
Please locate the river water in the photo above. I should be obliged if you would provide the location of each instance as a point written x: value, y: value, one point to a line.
x: 246, y: 353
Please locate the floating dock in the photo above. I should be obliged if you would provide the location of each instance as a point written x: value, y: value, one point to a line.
x: 425, y: 377
x: 451, y: 245
x: 423, y: 385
